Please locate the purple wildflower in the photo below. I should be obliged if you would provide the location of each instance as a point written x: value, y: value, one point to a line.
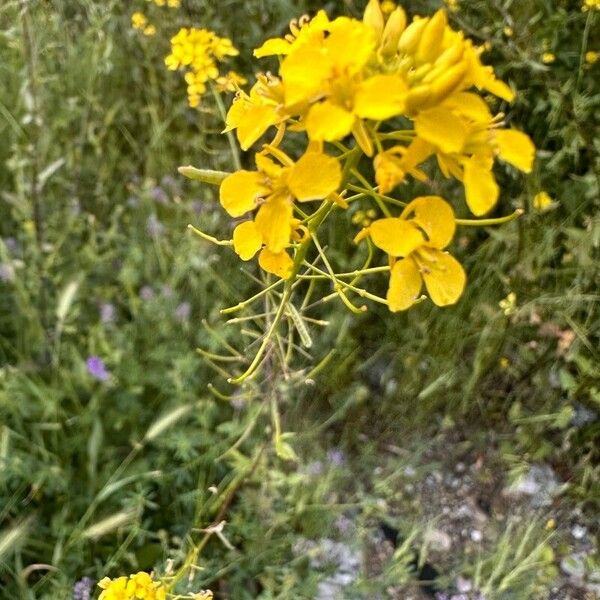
x: 154, y: 228
x: 336, y: 457
x: 107, y: 312
x: 183, y: 311
x: 159, y: 195
x: 170, y: 182
x: 97, y: 369
x: 167, y: 291
x: 11, y: 245
x: 146, y: 293
x: 82, y: 590
x: 314, y: 468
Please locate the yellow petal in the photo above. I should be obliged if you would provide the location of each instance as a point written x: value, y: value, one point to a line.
x: 481, y: 189
x: 380, y: 97
x: 267, y: 166
x: 314, y: 176
x: 397, y: 237
x: 442, y: 128
x: 328, y: 122
x: 247, y: 240
x: 240, y: 191
x: 273, y: 46
x: 405, y: 285
x: 278, y: 263
x: 470, y: 105
x: 435, y: 217
x: 255, y: 121
x: 304, y: 72
x: 274, y: 222
x: 443, y: 275
x: 516, y: 148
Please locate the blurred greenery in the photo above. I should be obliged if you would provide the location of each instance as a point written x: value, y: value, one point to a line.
x: 108, y: 477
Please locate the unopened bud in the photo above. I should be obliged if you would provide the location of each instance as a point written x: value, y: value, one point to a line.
x: 373, y: 17
x: 394, y: 27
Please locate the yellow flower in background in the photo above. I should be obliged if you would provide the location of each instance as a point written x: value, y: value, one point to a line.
x: 592, y: 57
x: 415, y: 242
x: 542, y: 201
x: 149, y: 30
x: 198, y: 51
x: 139, y: 20
x: 140, y: 586
x: 508, y: 31
x: 453, y: 5
x: 230, y: 82
x: 548, y: 58
x: 273, y: 189
x: 509, y: 304
x: 388, y: 7
x: 590, y: 5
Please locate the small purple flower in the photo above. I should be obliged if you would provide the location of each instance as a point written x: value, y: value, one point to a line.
x: 336, y: 457
x: 11, y: 245
x: 107, y: 312
x: 170, y: 182
x: 97, y: 369
x: 197, y: 206
x: 146, y: 293
x: 159, y: 195
x: 154, y: 228
x: 183, y: 311
x: 82, y: 590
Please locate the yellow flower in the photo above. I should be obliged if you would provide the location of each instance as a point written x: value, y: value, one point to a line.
x: 198, y: 51
x: 548, y: 58
x: 173, y: 3
x: 509, y: 304
x: 415, y: 243
x: 231, y: 82
x: 272, y: 189
x: 466, y: 139
x: 453, y: 5
x: 542, y: 201
x: 591, y: 57
x: 252, y: 114
x: 139, y: 20
x: 149, y: 30
x: 508, y: 31
x: 140, y: 586
x: 590, y: 5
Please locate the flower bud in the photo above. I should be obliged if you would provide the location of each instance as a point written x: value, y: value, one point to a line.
x: 373, y: 17
x: 433, y: 35
x: 409, y: 40
x: 394, y: 27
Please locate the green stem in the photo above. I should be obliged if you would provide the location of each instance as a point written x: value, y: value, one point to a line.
x: 235, y: 153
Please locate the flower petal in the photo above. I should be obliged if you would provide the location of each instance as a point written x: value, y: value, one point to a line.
x: 273, y: 46
x: 405, y: 285
x: 278, y: 263
x: 481, y: 189
x: 516, y: 148
x: 247, y: 240
x: 254, y: 122
x: 240, y: 190
x: 328, y: 122
x: 435, y: 217
x: 274, y: 222
x: 397, y: 237
x: 442, y: 128
x: 304, y: 72
x: 314, y: 176
x: 380, y: 97
x: 443, y: 275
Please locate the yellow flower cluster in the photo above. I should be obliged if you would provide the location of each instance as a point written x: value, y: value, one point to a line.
x: 140, y: 21
x: 590, y: 5
x: 198, y: 52
x: 405, y: 92
x: 135, y: 587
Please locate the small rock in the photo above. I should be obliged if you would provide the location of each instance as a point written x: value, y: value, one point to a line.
x: 476, y: 535
x: 578, y: 532
x: 574, y: 566
x: 539, y: 483
x: 438, y: 540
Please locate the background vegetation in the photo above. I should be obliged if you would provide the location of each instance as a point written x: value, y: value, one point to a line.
x: 418, y: 415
